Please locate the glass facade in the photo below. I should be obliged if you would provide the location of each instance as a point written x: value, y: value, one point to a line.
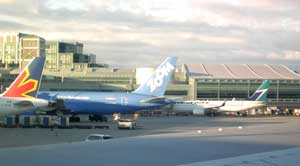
x: 10, y: 49
x: 65, y: 55
x: 29, y: 53
x: 30, y: 43
x: 52, y: 58
x: 241, y: 89
x: 66, y: 60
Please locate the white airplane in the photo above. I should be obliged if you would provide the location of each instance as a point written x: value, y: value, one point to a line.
x: 21, y: 95
x: 199, y: 107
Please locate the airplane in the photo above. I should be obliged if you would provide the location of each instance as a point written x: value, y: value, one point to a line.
x: 199, y: 107
x: 148, y: 95
x: 21, y: 95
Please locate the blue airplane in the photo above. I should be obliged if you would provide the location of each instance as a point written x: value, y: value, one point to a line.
x: 149, y: 95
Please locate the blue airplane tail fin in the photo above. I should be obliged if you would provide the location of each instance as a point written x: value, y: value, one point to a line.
x: 261, y: 93
x: 157, y: 84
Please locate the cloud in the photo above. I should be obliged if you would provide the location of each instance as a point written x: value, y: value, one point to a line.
x: 135, y: 31
x: 286, y: 55
x: 7, y: 1
x: 72, y: 5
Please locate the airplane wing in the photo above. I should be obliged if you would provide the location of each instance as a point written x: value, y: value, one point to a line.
x: 153, y: 99
x: 176, y: 99
x: 215, y: 108
x: 24, y: 103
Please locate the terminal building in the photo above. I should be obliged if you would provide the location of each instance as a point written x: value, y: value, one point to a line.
x: 223, y: 81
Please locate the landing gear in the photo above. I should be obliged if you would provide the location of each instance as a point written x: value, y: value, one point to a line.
x: 242, y: 113
x: 211, y: 113
x: 97, y: 118
x: 74, y: 119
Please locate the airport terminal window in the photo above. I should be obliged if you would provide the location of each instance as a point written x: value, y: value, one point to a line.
x: 207, y: 95
x: 29, y: 43
x: 234, y: 86
x: 176, y: 92
x: 233, y: 95
x: 29, y: 53
x: 242, y: 90
x: 288, y: 94
x: 7, y: 38
x: 207, y: 85
x: 272, y: 95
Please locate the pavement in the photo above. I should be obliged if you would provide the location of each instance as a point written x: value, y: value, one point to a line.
x: 288, y: 157
x: 16, y: 137
x: 157, y: 141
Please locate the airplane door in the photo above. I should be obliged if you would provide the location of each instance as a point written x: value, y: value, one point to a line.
x: 124, y: 100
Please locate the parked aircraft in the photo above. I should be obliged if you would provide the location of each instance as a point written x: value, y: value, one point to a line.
x: 21, y: 95
x: 258, y: 99
x: 149, y: 95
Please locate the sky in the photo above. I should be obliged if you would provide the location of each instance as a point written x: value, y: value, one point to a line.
x: 144, y: 32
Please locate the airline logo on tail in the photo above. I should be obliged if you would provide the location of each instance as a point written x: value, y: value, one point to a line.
x: 157, y: 80
x: 157, y: 83
x: 261, y: 93
x: 258, y: 94
x: 23, y: 86
x: 26, y: 85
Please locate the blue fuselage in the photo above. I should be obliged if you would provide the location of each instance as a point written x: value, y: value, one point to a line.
x: 102, y: 102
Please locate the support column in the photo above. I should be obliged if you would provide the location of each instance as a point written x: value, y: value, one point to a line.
x: 248, y: 88
x: 193, y: 89
x: 277, y: 91
x: 218, y: 90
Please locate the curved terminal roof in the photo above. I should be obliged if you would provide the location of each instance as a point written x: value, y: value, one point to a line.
x: 242, y: 71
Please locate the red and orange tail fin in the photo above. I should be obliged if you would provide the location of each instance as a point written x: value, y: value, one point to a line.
x: 28, y: 81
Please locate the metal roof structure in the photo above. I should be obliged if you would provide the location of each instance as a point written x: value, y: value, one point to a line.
x: 242, y: 71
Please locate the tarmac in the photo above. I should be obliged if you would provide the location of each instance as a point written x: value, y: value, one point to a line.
x: 167, y: 141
